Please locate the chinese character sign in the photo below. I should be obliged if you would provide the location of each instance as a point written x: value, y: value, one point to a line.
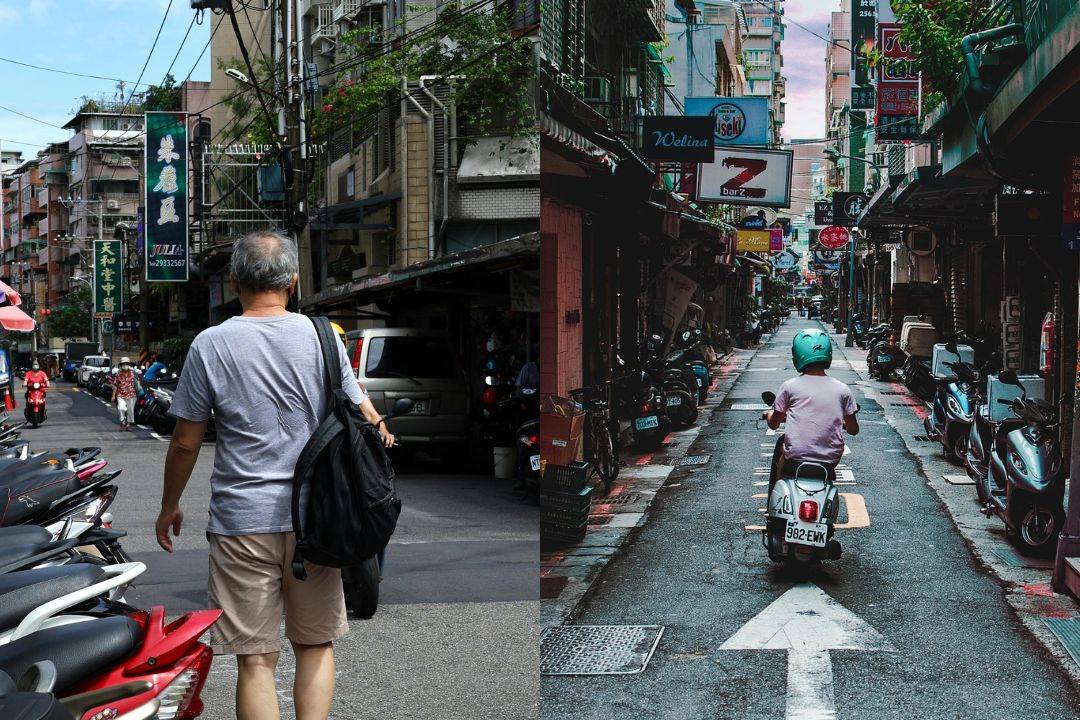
x: 897, y: 116
x: 166, y: 217
x: 1070, y: 217
x: 108, y: 278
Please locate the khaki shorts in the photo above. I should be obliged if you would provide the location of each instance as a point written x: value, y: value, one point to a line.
x: 251, y: 581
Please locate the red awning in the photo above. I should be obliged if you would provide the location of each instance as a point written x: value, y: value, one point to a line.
x: 12, y: 318
x: 9, y: 294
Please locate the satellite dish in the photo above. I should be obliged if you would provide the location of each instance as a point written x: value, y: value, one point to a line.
x: 920, y: 241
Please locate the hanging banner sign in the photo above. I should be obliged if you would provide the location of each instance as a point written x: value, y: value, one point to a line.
x: 747, y: 177
x: 166, y: 172
x: 897, y: 107
x: 776, y: 239
x: 108, y: 278
x: 1070, y: 204
x: 863, y: 20
x: 785, y: 261
x: 847, y: 207
x: 736, y: 120
x: 829, y: 259
x: 834, y: 238
x: 678, y: 137
x: 753, y: 240
x: 823, y: 212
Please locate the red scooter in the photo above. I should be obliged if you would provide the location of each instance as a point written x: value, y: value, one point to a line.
x: 35, y: 404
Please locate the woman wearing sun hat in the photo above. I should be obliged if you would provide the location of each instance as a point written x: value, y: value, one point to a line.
x: 124, y: 393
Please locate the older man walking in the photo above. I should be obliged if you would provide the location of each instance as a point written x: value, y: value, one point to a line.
x: 261, y: 374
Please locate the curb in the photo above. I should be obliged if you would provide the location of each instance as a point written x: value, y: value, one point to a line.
x: 1026, y: 589
x: 567, y: 575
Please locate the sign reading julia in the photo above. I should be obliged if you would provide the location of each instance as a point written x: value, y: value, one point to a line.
x: 166, y: 200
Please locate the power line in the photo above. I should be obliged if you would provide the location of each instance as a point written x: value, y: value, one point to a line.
x: 31, y: 117
x: 148, y: 56
x: 179, y: 49
x: 64, y: 72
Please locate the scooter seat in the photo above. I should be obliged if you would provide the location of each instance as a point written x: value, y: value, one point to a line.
x: 32, y: 706
x: 78, y: 650
x: 24, y: 535
x: 808, y: 471
x: 10, y: 554
x: 22, y: 591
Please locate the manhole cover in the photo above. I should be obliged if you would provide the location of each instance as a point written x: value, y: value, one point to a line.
x: 693, y: 460
x: 624, y: 499
x: 597, y: 649
x: 1068, y: 632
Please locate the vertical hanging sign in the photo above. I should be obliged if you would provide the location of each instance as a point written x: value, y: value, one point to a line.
x: 108, y: 278
x: 897, y: 116
x: 863, y: 37
x: 166, y: 202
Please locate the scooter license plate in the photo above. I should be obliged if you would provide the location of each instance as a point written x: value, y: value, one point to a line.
x: 806, y: 533
x: 534, y: 462
x: 883, y: 358
x: 673, y: 400
x: 419, y: 408
x: 647, y: 423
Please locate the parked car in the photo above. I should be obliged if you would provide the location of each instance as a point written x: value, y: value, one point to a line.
x: 70, y: 371
x: 421, y: 365
x: 92, y: 364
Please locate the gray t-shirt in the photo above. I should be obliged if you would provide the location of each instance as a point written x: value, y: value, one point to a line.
x: 263, y: 378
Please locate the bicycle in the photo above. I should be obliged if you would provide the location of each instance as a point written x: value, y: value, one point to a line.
x: 601, y: 451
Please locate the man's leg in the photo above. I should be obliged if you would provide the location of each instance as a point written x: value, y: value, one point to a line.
x: 313, y: 689
x: 256, y: 695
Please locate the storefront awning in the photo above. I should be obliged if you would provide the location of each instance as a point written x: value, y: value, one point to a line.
x: 926, y: 196
x: 11, y: 317
x: 500, y: 159
x: 440, y: 271
x: 879, y: 210
x: 350, y: 215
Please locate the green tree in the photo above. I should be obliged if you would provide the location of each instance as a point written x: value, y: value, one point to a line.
x: 165, y: 97
x: 72, y: 317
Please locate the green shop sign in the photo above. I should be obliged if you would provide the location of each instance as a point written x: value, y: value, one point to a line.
x: 166, y: 197
x: 108, y: 278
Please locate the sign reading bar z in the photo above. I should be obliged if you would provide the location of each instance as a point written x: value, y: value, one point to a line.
x: 747, y: 177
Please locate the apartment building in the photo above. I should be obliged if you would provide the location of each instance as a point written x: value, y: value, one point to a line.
x: 838, y: 89
x: 705, y: 48
x: 763, y: 58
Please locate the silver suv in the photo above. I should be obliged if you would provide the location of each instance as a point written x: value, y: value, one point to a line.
x: 421, y: 365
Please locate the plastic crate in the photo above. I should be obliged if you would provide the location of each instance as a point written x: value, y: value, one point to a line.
x: 561, y: 534
x: 578, y: 502
x: 564, y: 478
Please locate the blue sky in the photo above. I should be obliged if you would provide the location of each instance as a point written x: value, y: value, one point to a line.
x: 110, y: 38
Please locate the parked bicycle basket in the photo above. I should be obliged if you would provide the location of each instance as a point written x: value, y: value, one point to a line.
x: 561, y: 423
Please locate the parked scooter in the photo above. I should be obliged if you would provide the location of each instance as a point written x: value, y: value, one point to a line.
x: 32, y: 698
x: 1025, y: 480
x: 802, y: 510
x: 952, y: 410
x: 640, y: 401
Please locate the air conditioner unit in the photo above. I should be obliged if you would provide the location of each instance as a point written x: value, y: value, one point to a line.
x: 113, y: 204
x: 128, y: 125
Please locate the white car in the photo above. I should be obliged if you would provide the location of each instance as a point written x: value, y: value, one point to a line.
x: 93, y: 364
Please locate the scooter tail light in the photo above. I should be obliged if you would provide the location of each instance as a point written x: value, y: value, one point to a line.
x: 180, y: 698
x: 532, y: 440
x: 808, y: 510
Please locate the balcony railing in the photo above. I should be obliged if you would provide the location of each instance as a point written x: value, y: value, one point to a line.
x: 325, y: 28
x: 347, y: 9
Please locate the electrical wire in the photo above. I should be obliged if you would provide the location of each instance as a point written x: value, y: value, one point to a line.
x: 64, y: 72
x: 31, y: 117
x: 148, y: 56
x: 179, y: 49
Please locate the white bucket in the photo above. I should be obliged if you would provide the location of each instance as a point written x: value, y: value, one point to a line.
x: 505, y: 458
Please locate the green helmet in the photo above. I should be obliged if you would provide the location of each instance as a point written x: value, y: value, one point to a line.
x: 811, y: 346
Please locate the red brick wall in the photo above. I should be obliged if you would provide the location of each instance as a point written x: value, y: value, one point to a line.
x: 560, y: 291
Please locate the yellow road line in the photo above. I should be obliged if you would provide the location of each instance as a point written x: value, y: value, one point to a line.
x: 857, y: 515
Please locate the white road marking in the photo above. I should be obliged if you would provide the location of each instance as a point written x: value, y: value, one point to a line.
x: 808, y: 624
x: 749, y: 406
x: 768, y: 356
x: 158, y: 437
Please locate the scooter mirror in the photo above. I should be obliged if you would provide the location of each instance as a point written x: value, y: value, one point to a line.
x: 1009, y: 377
x: 951, y: 347
x: 768, y: 397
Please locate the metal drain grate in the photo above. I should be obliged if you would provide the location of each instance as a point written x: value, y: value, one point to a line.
x: 749, y: 406
x: 624, y: 499
x: 899, y: 404
x: 671, y: 443
x: 597, y: 649
x: 922, y: 438
x: 1013, y: 559
x: 1068, y: 632
x: 890, y: 392
x: 693, y: 460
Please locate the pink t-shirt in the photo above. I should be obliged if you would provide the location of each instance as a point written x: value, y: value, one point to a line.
x: 815, y: 406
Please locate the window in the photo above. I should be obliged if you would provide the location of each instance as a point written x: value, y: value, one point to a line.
x: 416, y: 357
x: 122, y: 123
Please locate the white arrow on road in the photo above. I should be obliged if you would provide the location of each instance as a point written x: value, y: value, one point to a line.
x: 808, y: 623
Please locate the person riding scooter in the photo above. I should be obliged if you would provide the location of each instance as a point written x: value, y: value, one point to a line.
x: 35, y: 382
x: 814, y: 407
x: 815, y: 410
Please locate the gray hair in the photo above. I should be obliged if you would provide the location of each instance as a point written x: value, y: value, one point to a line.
x: 264, y: 260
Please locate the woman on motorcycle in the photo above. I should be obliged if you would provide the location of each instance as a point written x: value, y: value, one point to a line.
x: 35, y: 375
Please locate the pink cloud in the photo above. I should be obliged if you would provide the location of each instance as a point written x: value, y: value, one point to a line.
x: 804, y: 66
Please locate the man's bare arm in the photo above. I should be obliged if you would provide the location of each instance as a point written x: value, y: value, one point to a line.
x: 179, y: 462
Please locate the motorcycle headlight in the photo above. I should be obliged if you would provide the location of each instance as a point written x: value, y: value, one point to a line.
x: 1017, y: 462
x: 954, y: 406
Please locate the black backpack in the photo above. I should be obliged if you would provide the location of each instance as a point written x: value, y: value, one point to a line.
x: 352, y: 509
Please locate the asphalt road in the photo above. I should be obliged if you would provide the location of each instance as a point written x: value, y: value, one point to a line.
x: 456, y: 634
x: 949, y: 645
